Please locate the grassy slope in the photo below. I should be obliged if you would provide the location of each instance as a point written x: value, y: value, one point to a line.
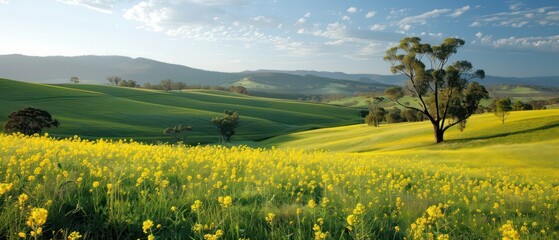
x: 527, y: 142
x: 94, y: 111
x: 515, y: 92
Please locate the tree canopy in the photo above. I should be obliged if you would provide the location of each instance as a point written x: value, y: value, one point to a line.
x: 226, y: 125
x: 444, y: 91
x: 178, y: 132
x: 29, y: 121
x: 503, y: 107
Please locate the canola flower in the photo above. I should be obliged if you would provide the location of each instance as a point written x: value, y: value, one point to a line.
x: 305, y: 194
x: 147, y: 225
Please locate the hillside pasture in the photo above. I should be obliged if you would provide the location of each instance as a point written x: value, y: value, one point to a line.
x: 97, y: 111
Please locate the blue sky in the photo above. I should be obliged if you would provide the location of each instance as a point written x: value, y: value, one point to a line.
x: 506, y: 38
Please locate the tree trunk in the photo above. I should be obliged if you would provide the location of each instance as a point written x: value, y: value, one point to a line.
x: 439, y: 134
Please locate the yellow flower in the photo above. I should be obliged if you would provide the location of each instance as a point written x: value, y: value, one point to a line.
x: 95, y: 184
x: 22, y: 235
x: 397, y: 229
x: 197, y: 228
x: 147, y: 225
x: 22, y: 198
x: 37, y: 218
x: 351, y: 220
x: 225, y: 201
x: 359, y: 209
x: 4, y: 187
x: 173, y: 209
x: 508, y: 232
x: 270, y: 218
x: 74, y: 236
x: 151, y: 237
x: 312, y: 203
x: 196, y: 206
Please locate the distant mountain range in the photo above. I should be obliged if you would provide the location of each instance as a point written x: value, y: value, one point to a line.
x: 95, y: 70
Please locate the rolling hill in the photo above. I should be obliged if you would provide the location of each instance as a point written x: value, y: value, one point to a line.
x: 97, y: 111
x: 526, y: 142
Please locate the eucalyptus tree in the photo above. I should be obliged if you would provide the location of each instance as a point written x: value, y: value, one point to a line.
x: 444, y: 91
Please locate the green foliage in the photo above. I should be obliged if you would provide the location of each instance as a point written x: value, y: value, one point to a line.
x: 443, y: 91
x: 75, y: 80
x: 114, y: 80
x: 179, y: 86
x: 178, y: 132
x: 166, y: 84
x: 394, y: 116
x: 226, y: 125
x: 376, y: 113
x: 503, y: 107
x: 128, y: 83
x: 29, y: 121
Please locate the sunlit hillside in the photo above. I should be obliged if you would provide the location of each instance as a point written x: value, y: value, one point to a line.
x: 527, y: 141
x: 97, y: 111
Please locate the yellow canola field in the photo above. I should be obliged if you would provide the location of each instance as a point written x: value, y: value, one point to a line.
x: 74, y: 188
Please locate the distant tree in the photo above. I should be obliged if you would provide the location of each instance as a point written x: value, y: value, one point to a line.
x: 363, y: 113
x: 394, y: 116
x: 179, y: 86
x: 411, y: 115
x: 538, y: 104
x: 29, y: 121
x: 376, y: 113
x: 518, y: 105
x: 128, y: 83
x: 444, y: 92
x: 238, y: 89
x: 503, y: 107
x: 75, y: 80
x: 166, y: 84
x: 226, y: 125
x: 114, y: 80
x: 178, y: 132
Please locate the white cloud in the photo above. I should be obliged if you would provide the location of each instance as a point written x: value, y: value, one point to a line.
x: 378, y: 27
x: 530, y: 18
x: 515, y: 6
x: 405, y: 27
x: 149, y: 14
x: 370, y: 14
x: 307, y: 15
x: 4, y: 1
x: 458, y: 12
x: 346, y: 18
x: 352, y: 10
x: 549, y: 43
x: 301, y: 20
x: 422, y: 18
x: 104, y: 6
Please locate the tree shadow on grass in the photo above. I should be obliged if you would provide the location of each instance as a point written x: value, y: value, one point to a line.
x: 506, y: 134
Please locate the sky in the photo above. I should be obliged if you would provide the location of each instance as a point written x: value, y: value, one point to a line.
x: 505, y: 38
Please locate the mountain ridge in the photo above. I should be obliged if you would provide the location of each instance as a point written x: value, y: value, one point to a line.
x: 95, y: 69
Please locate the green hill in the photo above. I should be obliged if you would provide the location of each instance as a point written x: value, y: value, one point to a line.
x: 96, y: 111
x: 526, y: 142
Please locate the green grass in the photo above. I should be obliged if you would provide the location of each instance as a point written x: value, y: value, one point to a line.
x: 526, y: 143
x: 96, y: 111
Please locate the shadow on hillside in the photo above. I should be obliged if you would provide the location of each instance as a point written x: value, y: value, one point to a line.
x: 546, y: 127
